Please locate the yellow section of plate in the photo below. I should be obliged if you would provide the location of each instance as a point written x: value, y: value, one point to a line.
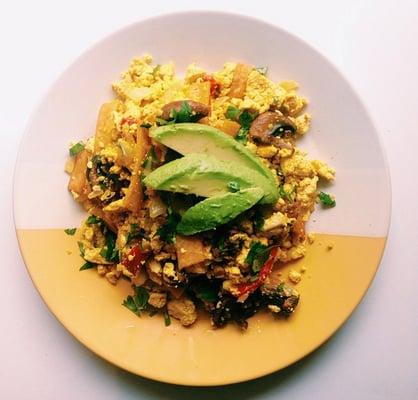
x: 90, y: 308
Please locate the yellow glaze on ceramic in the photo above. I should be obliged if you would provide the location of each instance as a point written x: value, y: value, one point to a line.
x: 90, y: 308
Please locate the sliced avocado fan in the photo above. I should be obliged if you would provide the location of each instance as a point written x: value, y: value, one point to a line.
x: 187, y: 138
x: 207, y: 176
x: 218, y: 210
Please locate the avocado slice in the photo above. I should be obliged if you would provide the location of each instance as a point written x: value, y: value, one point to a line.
x: 189, y: 138
x: 207, y: 176
x: 218, y: 210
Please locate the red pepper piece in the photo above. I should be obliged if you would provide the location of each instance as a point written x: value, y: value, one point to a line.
x: 248, y: 288
x: 215, y: 86
x: 128, y: 120
x: 133, y: 260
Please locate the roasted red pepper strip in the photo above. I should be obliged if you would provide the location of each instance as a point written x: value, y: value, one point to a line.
x: 133, y: 260
x: 248, y: 288
x: 128, y: 121
x: 215, y: 86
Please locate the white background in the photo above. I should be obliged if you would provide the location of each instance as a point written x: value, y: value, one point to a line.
x: 375, y: 355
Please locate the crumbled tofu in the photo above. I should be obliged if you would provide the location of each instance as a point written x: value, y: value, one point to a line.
x: 274, y: 309
x: 323, y: 170
x: 182, y: 309
x: 294, y: 276
x: 278, y: 219
x: 267, y: 151
x: 157, y: 300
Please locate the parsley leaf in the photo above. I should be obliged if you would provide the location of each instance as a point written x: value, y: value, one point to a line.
x: 87, y: 265
x: 286, y: 195
x: 81, y: 248
x: 184, y: 115
x: 232, y: 113
x: 76, y: 148
x: 262, y: 70
x: 141, y: 297
x: 233, y: 186
x: 129, y: 303
x: 92, y: 219
x: 70, y: 231
x: 167, y: 232
x: 167, y: 319
x: 245, y: 119
x: 257, y: 256
x: 110, y: 251
x: 327, y: 200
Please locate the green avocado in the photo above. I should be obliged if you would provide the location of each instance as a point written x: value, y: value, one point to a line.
x: 189, y: 138
x: 207, y: 176
x: 218, y: 210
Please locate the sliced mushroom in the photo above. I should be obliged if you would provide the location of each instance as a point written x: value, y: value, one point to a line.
x: 199, y: 110
x: 269, y: 126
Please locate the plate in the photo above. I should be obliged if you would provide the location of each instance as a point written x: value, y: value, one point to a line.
x: 341, y: 263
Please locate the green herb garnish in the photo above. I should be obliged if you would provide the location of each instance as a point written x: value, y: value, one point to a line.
x: 257, y: 256
x: 161, y: 121
x: 87, y: 265
x: 262, y: 70
x: 245, y: 119
x: 70, y: 231
x: 286, y: 195
x: 185, y: 114
x: 92, y: 219
x: 327, y: 200
x: 138, y: 302
x: 110, y: 251
x: 232, y: 113
x: 167, y: 232
x: 146, y: 125
x: 76, y: 148
x: 167, y: 319
x: 81, y: 248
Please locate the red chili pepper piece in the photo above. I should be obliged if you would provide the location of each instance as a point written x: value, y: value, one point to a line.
x: 133, y: 260
x: 265, y: 271
x: 215, y: 86
x: 128, y: 120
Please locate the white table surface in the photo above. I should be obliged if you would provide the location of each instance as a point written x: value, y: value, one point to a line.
x: 375, y: 355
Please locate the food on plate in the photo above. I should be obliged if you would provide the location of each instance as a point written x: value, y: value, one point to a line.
x: 196, y: 192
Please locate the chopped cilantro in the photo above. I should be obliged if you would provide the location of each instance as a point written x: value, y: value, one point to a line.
x: 245, y: 119
x: 87, y: 265
x: 257, y: 256
x: 242, y: 136
x: 232, y: 113
x: 110, y: 251
x: 76, y: 148
x: 286, y: 195
x: 327, y: 200
x: 81, y: 248
x: 184, y: 115
x: 167, y: 232
x: 92, y: 219
x: 70, y: 231
x: 167, y: 319
x: 129, y: 303
x: 138, y: 302
x: 233, y: 186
